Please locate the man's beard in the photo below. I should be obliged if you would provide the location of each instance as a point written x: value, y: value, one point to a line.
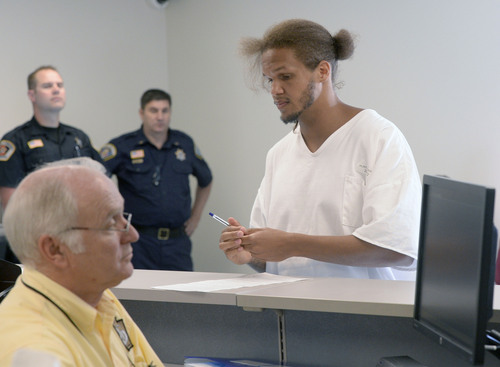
x: 306, y: 100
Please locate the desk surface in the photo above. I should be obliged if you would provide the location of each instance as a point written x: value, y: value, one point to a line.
x: 139, y: 287
x: 354, y: 296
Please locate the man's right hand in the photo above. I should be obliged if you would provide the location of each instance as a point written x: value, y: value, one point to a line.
x: 230, y: 243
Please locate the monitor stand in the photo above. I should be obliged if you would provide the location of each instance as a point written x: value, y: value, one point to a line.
x: 400, y: 361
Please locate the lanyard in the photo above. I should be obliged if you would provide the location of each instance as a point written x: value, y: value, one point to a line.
x: 55, y: 304
x: 70, y: 320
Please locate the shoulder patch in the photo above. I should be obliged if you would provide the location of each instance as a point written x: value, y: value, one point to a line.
x: 197, y: 152
x: 7, y: 148
x: 107, y: 152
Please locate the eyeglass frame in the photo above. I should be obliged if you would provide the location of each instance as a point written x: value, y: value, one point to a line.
x: 128, y: 217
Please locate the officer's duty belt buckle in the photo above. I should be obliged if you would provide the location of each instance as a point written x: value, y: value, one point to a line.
x: 163, y: 233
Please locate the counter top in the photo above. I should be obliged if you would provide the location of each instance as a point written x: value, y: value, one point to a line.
x: 139, y: 287
x: 341, y: 295
x: 357, y: 296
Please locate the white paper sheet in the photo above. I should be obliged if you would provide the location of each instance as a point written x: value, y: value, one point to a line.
x: 251, y: 280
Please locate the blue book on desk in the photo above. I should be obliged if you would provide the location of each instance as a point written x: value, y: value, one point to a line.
x: 227, y: 362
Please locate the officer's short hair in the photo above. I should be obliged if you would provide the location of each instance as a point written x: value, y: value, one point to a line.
x: 155, y: 95
x: 32, y: 76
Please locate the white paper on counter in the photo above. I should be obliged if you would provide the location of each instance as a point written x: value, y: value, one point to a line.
x: 251, y: 280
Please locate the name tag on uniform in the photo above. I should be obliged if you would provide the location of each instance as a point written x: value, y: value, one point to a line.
x: 35, y: 143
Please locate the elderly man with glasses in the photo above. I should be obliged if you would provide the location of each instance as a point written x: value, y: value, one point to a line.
x: 66, y: 225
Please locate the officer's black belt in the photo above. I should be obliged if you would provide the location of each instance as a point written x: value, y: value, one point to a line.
x: 161, y: 233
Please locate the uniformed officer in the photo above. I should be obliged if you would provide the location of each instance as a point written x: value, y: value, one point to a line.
x: 153, y: 165
x: 44, y: 138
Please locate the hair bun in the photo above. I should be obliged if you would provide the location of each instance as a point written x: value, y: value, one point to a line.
x: 343, y: 44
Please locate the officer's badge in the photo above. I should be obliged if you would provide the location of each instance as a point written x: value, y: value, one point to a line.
x: 121, y: 330
x: 35, y: 143
x: 108, y: 152
x: 180, y: 154
x: 7, y: 148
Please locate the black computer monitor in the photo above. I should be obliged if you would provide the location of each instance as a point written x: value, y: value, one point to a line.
x: 455, y: 273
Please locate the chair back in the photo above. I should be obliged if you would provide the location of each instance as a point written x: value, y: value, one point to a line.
x: 8, y: 275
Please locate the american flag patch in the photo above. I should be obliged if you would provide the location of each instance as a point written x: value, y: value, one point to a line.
x: 35, y: 143
x: 137, y: 154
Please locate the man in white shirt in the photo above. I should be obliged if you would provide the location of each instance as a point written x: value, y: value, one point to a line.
x: 341, y: 192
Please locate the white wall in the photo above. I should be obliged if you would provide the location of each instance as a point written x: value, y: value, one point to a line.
x: 108, y: 52
x: 429, y: 66
x: 432, y: 67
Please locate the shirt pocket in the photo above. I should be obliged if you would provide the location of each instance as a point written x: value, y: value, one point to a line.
x: 85, y: 151
x: 38, y: 156
x: 352, y: 206
x: 140, y: 174
x: 182, y: 167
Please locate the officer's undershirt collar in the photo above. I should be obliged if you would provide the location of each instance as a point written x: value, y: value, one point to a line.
x: 49, y: 131
x: 167, y: 144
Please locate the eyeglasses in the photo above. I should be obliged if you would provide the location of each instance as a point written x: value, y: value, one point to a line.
x: 126, y: 216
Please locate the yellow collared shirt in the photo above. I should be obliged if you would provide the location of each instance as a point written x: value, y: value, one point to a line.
x: 42, y: 315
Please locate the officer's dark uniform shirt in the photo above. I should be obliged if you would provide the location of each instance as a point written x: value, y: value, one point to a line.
x: 30, y: 145
x: 153, y: 182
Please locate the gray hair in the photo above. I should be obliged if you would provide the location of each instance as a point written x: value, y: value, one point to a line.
x: 78, y: 161
x: 45, y: 203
